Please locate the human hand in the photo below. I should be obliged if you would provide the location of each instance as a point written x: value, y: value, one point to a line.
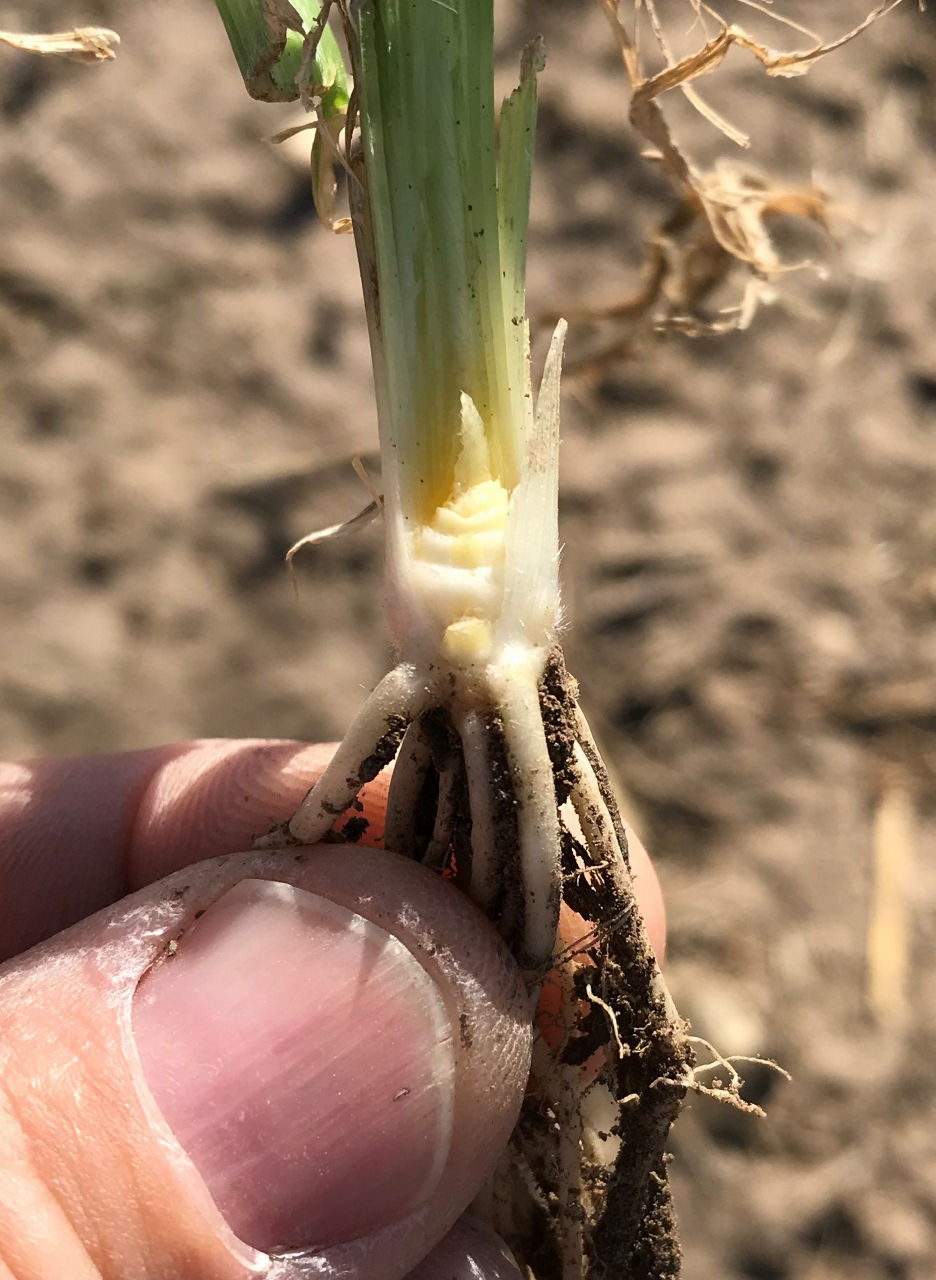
x: 320, y: 1051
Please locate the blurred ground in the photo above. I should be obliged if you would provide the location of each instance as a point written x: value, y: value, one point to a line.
x: 750, y: 531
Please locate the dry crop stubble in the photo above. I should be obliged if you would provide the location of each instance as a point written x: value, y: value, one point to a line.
x: 713, y: 261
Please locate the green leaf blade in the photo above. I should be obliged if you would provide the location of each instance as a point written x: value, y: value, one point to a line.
x: 266, y: 37
x: 424, y: 71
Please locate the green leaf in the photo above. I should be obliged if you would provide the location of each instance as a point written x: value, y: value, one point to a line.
x: 516, y: 145
x: 267, y: 37
x: 514, y: 176
x: 439, y: 327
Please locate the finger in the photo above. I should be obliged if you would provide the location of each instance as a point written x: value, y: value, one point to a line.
x: 64, y: 829
x: 470, y: 1251
x: 648, y: 892
x: 327, y: 1052
x: 77, y: 834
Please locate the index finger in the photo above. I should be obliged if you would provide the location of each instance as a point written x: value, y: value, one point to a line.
x: 77, y: 834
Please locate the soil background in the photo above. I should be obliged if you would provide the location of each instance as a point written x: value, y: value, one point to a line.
x: 749, y: 528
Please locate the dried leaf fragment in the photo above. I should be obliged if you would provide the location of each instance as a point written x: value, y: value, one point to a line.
x: 82, y: 44
x: 722, y: 219
x: 326, y: 157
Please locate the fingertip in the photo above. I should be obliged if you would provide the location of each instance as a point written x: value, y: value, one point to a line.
x: 214, y: 799
x: 221, y: 794
x: 64, y: 827
x: 649, y: 894
x: 470, y: 1251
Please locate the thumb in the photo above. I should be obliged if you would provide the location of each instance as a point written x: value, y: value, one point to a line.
x: 284, y: 1065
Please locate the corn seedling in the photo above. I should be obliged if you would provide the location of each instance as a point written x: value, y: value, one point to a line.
x: 496, y: 778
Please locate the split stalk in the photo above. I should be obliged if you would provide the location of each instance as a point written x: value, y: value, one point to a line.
x: 497, y: 780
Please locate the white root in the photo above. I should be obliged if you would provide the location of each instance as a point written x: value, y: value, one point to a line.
x: 569, y: 1116
x: 561, y: 1086
x: 487, y: 856
x: 597, y: 825
x: 444, y: 824
x: 410, y: 771
x: 610, y: 1016
x: 729, y: 1093
x: 538, y: 830
x: 494, y: 1204
x: 400, y: 697
x: 609, y: 838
